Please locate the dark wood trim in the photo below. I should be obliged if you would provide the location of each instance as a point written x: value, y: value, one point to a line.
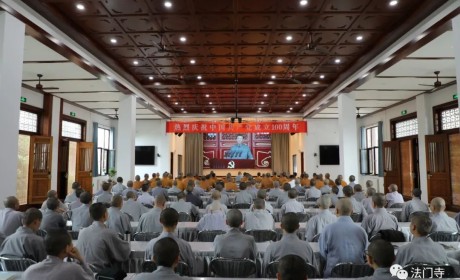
x: 35, y: 110
x: 437, y: 120
x: 396, y: 120
x: 59, y: 151
x: 74, y: 120
x: 47, y: 115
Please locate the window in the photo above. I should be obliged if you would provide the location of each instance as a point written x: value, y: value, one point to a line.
x: 446, y: 117
x: 450, y: 119
x: 406, y: 128
x: 72, y: 130
x: 103, y: 146
x: 28, y: 121
x: 370, y: 151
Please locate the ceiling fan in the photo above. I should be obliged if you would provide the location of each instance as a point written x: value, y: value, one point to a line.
x: 39, y: 86
x: 163, y: 49
x: 357, y: 113
x: 436, y: 84
x: 115, y: 116
x: 312, y: 46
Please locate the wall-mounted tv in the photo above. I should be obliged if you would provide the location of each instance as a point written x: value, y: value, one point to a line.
x: 145, y: 155
x: 329, y: 155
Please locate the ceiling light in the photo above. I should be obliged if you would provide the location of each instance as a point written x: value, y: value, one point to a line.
x: 151, y: 78
x: 135, y: 62
x: 157, y: 83
x: 321, y: 76
x: 289, y: 37
x: 210, y: 103
x: 80, y: 7
x: 393, y: 3
x: 207, y: 95
x: 304, y: 95
x: 262, y: 103
x: 168, y: 4
x: 184, y: 112
x: 288, y: 111
x: 297, y: 102
x: 183, y: 39
x: 290, y: 108
x: 359, y: 38
x: 113, y: 41
x: 192, y: 61
x: 213, y: 109
x: 303, y: 2
x: 182, y: 109
x: 198, y: 77
x: 176, y: 103
x: 260, y: 109
x: 169, y: 96
x: 280, y: 60
x: 337, y: 60
x: 273, y: 77
x: 315, y: 82
x: 265, y: 95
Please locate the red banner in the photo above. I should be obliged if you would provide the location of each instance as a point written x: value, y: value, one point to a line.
x: 245, y: 127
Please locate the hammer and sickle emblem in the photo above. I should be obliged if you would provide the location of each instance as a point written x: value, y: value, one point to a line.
x: 231, y: 164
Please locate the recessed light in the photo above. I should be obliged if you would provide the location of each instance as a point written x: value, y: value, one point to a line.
x: 321, y: 76
x: 273, y: 77
x: 151, y: 78
x: 113, y: 41
x: 393, y: 3
x: 169, y: 96
x: 280, y: 60
x: 303, y: 2
x: 198, y: 77
x: 135, y: 62
x: 182, y: 109
x: 288, y: 111
x: 192, y: 61
x: 262, y: 103
x: 304, y: 95
x: 184, y: 112
x: 315, y: 82
x: 176, y: 103
x: 359, y: 38
x: 213, y: 109
x: 81, y: 7
x: 265, y: 95
x: 337, y: 60
x: 297, y: 102
x: 157, y: 83
x: 289, y: 37
x: 260, y: 109
x: 210, y: 103
x: 290, y: 108
x: 207, y: 95
x: 168, y: 4
x: 183, y: 39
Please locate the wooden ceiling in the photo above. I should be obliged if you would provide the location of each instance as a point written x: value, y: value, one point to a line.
x: 243, y: 39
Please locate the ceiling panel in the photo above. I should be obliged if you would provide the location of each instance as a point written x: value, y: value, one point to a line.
x: 422, y: 68
x: 441, y: 47
x: 100, y: 105
x: 382, y: 94
x: 76, y: 86
x: 402, y: 83
x: 52, y: 71
x: 36, y: 51
x: 91, y: 96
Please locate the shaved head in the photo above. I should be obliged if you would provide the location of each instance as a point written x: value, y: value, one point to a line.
x: 344, y: 207
x: 438, y: 204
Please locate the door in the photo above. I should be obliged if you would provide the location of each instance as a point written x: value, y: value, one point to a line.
x: 408, y: 168
x: 41, y: 149
x: 302, y: 166
x: 391, y: 164
x: 438, y: 167
x: 84, y: 170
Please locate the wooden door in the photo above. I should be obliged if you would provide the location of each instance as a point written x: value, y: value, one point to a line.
x: 391, y: 164
x: 438, y: 167
x: 454, y: 148
x: 84, y: 172
x: 408, y: 168
x: 40, y: 155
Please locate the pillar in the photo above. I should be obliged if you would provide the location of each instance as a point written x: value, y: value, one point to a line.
x: 425, y: 127
x: 126, y: 134
x: 55, y: 133
x: 348, y: 137
x: 11, y: 58
x: 456, y: 46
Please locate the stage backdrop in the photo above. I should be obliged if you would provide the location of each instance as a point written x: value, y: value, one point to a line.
x: 217, y: 147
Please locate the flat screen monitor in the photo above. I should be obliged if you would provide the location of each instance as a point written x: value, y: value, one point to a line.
x: 329, y: 155
x: 145, y: 155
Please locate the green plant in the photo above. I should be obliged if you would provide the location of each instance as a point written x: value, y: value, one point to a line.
x: 112, y: 172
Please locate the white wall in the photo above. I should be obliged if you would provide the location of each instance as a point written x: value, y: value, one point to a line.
x: 320, y: 132
x: 295, y: 148
x: 153, y: 133
x: 177, y: 147
x: 34, y: 98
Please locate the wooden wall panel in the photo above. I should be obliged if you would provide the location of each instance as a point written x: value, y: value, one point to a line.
x: 454, y: 145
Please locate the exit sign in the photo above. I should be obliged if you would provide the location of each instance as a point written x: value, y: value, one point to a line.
x: 23, y: 99
x: 403, y: 112
x: 455, y: 96
x: 73, y: 114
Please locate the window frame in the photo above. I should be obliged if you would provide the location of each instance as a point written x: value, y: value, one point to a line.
x: 437, y: 124
x: 101, y: 149
x: 33, y: 110
x: 77, y: 121
x: 368, y: 150
x: 393, y: 123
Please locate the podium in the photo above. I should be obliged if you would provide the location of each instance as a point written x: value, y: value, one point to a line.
x: 232, y: 163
